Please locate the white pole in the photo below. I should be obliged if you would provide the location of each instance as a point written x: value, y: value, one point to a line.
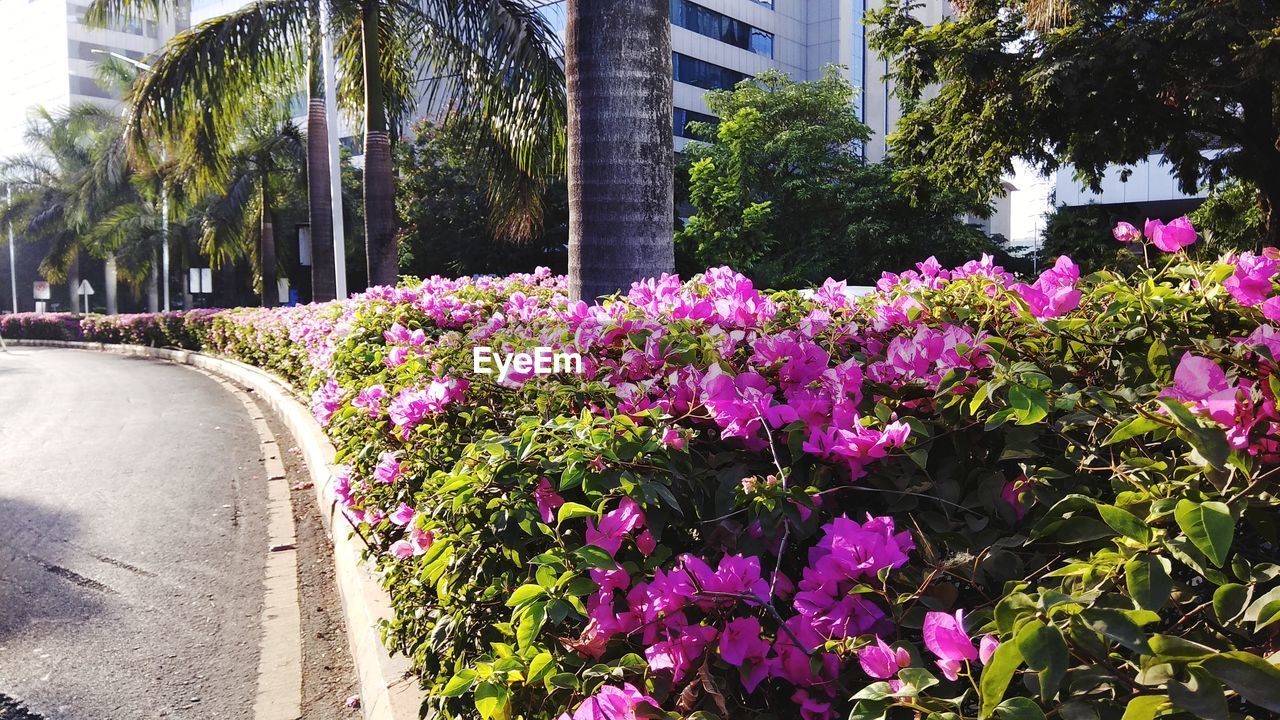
x: 335, y: 158
x: 164, y: 235
x: 13, y: 271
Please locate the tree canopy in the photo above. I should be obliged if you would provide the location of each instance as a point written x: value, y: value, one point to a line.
x: 782, y: 193
x: 1090, y: 84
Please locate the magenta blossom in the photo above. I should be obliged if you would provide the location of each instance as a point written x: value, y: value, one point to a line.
x: 987, y: 647
x: 370, y: 399
x: 742, y: 647
x: 1016, y: 494
x: 547, y: 500
x: 1250, y: 284
x: 389, y: 469
x: 1172, y: 237
x: 1126, y: 233
x: 1054, y: 294
x: 615, y: 525
x: 945, y: 637
x: 1271, y: 309
x: 1201, y: 383
x: 611, y: 703
x: 403, y: 515
x: 881, y: 661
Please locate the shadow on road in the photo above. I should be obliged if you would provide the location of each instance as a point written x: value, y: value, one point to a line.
x: 36, y: 584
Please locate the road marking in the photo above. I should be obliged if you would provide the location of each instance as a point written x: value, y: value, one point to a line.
x: 279, y: 693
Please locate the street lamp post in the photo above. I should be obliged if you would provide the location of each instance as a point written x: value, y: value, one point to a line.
x: 335, y: 159
x: 13, y: 264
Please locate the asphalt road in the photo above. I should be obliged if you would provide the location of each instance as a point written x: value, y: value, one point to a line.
x: 132, y: 540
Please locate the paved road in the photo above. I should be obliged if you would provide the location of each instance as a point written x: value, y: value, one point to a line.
x: 132, y: 540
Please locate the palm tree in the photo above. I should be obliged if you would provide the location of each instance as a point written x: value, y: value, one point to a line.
x: 320, y: 201
x: 489, y: 65
x: 57, y: 186
x: 239, y: 219
x: 618, y: 73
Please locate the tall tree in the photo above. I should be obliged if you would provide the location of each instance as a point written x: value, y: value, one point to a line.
x: 319, y: 197
x: 491, y: 65
x: 618, y: 75
x: 1091, y: 84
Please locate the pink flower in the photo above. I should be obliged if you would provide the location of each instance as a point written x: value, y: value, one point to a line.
x: 741, y: 642
x: 1015, y: 493
x: 611, y: 703
x: 1201, y: 383
x: 987, y: 647
x: 881, y: 661
x: 1151, y: 228
x: 1054, y: 293
x: 945, y: 637
x: 1126, y: 233
x: 326, y: 401
x: 388, y: 469
x: 402, y: 549
x: 403, y: 515
x: 810, y: 707
x: 645, y: 543
x: 1271, y: 309
x: 547, y: 500
x: 1267, y: 337
x: 672, y: 439
x: 615, y: 525
x: 370, y: 399
x: 681, y: 652
x: 1174, y: 236
x: 421, y: 540
x: 1250, y: 284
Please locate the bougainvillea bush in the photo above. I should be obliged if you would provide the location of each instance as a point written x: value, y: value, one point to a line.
x: 40, y: 326
x: 964, y: 496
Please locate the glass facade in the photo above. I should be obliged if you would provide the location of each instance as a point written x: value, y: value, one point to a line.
x: 718, y: 26
x: 680, y: 119
x: 700, y: 73
x: 858, y: 63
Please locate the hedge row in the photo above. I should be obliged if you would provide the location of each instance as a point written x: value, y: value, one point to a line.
x: 964, y: 496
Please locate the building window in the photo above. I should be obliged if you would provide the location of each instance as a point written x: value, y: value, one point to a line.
x: 680, y: 119
x: 700, y: 73
x: 718, y: 26
x: 766, y: 3
x: 88, y: 87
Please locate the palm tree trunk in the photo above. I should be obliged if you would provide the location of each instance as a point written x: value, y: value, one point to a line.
x: 109, y: 279
x: 153, y: 285
x: 188, y: 301
x: 73, y: 283
x: 618, y: 76
x: 267, y: 251
x: 320, y: 202
x: 381, y: 249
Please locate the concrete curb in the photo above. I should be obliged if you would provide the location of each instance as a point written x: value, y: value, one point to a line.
x: 388, y: 688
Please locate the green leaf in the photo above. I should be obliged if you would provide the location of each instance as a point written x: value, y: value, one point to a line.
x: 459, y: 684
x: 1149, y: 581
x: 1125, y: 523
x: 996, y: 676
x: 1019, y: 708
x: 1229, y: 601
x: 596, y: 557
x: 531, y: 624
x: 1209, y: 443
x: 1132, y: 428
x: 524, y: 594
x: 1255, y: 679
x: 1045, y: 651
x: 571, y: 510
x: 1144, y: 707
x: 540, y: 668
x: 1172, y: 646
x: 567, y: 681
x: 914, y: 680
x: 1201, y: 695
x: 1209, y: 526
x: 491, y: 700
x: 1029, y: 406
x: 1258, y: 609
x: 1117, y: 626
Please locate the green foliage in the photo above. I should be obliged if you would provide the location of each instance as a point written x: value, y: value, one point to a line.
x: 1084, y: 234
x: 444, y: 206
x: 782, y: 193
x: 1230, y: 218
x: 1094, y: 85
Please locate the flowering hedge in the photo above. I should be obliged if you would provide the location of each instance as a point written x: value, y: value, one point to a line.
x: 40, y: 326
x: 964, y: 496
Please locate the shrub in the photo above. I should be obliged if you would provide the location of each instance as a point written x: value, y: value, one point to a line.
x: 964, y: 496
x: 40, y: 326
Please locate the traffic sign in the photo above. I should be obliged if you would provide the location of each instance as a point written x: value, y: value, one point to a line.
x: 85, y: 288
x: 40, y: 289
